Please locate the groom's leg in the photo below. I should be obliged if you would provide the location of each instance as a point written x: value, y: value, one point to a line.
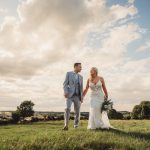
x: 77, y: 104
x: 67, y: 111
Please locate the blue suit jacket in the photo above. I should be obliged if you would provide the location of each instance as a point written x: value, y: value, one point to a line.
x: 69, y: 84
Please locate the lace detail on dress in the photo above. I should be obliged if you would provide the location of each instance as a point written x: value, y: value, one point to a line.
x: 96, y: 89
x: 96, y: 118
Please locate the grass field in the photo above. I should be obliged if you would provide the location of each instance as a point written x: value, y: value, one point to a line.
x: 131, y: 135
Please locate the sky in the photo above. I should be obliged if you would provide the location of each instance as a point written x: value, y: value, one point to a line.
x: 41, y: 40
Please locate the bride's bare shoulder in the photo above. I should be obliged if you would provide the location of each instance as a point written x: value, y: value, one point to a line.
x: 89, y: 79
x: 101, y: 78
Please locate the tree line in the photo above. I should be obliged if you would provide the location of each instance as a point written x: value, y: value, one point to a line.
x: 25, y: 110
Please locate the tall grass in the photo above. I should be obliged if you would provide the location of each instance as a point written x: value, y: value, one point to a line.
x: 130, y: 135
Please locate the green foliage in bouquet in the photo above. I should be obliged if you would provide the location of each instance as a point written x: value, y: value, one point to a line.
x: 107, y: 105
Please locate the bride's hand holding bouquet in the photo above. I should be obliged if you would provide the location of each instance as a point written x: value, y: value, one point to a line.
x: 105, y: 98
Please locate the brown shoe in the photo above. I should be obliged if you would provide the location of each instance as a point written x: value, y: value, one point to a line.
x: 65, y: 128
x: 76, y: 126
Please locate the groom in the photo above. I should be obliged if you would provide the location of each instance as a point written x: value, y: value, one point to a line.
x: 73, y: 91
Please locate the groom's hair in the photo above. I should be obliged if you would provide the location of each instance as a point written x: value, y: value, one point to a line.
x: 76, y: 64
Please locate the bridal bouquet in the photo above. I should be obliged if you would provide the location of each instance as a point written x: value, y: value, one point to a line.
x: 107, y: 105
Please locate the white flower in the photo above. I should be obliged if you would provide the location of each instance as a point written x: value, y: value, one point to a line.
x: 105, y: 106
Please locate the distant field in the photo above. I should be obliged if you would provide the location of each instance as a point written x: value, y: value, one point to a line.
x: 132, y: 135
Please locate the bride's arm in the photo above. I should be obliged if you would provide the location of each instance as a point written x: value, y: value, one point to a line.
x: 86, y: 89
x: 104, y: 88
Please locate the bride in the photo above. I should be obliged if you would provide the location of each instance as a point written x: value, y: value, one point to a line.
x: 97, y: 96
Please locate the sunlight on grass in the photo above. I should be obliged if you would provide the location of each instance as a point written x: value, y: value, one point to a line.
x: 131, y: 134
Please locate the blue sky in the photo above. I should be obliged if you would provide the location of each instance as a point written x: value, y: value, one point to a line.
x: 142, y: 19
x: 143, y: 7
x: 39, y: 42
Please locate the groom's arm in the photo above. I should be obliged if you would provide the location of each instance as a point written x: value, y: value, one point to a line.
x: 65, y: 85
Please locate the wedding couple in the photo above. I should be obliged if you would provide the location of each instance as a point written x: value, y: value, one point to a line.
x: 74, y: 93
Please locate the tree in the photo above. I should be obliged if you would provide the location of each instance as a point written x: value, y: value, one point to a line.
x: 136, y: 113
x: 145, y: 112
x: 145, y: 103
x: 119, y: 115
x: 141, y: 111
x: 15, y: 116
x: 26, y: 109
x: 113, y: 114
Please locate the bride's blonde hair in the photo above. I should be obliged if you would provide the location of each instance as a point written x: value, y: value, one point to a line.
x: 95, y: 69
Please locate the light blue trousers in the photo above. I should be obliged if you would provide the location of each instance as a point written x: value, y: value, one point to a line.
x: 77, y: 104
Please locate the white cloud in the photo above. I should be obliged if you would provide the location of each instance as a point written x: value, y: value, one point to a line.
x: 131, y: 1
x: 49, y: 36
x: 144, y: 47
x: 3, y: 11
x: 123, y: 12
x: 46, y: 33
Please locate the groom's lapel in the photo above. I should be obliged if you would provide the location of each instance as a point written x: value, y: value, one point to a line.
x: 73, y: 76
x: 79, y: 79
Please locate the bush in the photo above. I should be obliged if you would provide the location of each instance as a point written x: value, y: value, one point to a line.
x: 15, y: 116
x: 26, y: 109
x: 113, y: 114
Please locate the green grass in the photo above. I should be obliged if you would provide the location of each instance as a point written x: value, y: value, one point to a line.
x: 131, y: 135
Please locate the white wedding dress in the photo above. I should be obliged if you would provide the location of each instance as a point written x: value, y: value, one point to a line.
x: 96, y: 118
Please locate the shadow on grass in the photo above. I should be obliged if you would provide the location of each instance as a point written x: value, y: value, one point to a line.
x: 113, y: 146
x: 145, y: 136
x: 95, y: 145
